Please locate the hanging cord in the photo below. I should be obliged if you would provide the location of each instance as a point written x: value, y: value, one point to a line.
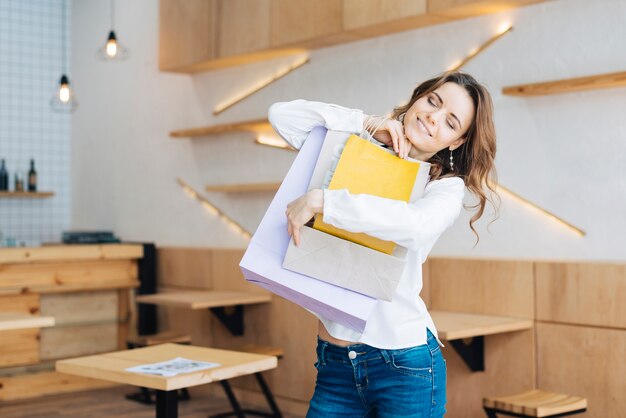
x: 63, y: 35
x: 112, y: 15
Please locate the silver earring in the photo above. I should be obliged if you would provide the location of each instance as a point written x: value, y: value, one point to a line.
x: 451, y: 161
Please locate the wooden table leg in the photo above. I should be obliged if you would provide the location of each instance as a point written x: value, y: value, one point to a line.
x: 166, y: 404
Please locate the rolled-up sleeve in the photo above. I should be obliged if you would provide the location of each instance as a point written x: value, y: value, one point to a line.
x: 294, y: 120
x: 410, y: 225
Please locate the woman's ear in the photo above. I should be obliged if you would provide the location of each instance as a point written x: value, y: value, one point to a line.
x: 458, y: 143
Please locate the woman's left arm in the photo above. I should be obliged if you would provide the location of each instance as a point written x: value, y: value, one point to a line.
x: 410, y: 225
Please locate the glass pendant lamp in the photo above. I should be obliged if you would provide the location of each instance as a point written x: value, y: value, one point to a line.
x: 64, y: 100
x: 112, y: 49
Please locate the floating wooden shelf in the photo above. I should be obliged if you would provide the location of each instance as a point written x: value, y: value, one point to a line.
x: 32, y: 195
x: 243, y: 188
x: 203, y: 299
x: 18, y: 320
x: 457, y: 325
x: 258, y: 125
x: 601, y: 81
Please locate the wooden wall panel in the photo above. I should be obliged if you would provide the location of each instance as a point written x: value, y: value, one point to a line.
x: 584, y: 361
x: 382, y: 17
x: 509, y: 368
x: 81, y: 308
x: 586, y: 294
x: 26, y: 304
x: 46, y: 276
x: 460, y: 9
x: 363, y: 13
x: 81, y: 340
x: 497, y: 287
x: 244, y: 26
x: 284, y: 325
x: 301, y: 20
x: 226, y: 273
x: 185, y: 267
x: 39, y: 384
x: 19, y: 347
x: 187, y: 32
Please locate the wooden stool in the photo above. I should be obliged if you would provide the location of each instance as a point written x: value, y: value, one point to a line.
x: 145, y: 395
x: 535, y: 403
x: 269, y: 397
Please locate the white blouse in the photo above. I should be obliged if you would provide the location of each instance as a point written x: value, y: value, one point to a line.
x: 402, y: 322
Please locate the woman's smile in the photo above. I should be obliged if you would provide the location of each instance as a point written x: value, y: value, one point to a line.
x: 423, y: 127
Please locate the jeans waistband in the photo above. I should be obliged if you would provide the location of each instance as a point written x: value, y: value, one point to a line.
x: 365, y: 350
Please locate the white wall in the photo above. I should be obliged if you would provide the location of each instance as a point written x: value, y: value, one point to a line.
x: 563, y: 152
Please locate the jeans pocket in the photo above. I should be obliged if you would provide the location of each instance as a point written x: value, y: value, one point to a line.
x: 416, y: 362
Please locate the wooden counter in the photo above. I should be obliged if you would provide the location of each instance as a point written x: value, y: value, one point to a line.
x: 83, y: 289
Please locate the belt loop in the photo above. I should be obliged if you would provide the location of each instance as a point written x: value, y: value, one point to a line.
x: 322, y: 353
x: 385, y: 356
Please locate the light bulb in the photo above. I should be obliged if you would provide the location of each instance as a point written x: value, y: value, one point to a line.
x: 64, y: 93
x: 111, y: 48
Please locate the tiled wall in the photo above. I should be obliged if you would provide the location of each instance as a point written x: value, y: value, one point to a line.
x: 31, y: 55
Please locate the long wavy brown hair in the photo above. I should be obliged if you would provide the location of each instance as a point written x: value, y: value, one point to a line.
x: 474, y: 160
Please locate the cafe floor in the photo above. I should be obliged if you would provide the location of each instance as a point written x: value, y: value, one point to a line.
x: 106, y: 403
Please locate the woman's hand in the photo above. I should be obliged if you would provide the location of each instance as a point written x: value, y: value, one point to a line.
x: 390, y: 132
x: 301, y: 210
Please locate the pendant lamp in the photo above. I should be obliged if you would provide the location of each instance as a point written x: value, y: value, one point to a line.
x: 112, y: 49
x: 64, y: 101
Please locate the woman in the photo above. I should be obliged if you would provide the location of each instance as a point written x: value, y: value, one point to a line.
x: 395, y: 367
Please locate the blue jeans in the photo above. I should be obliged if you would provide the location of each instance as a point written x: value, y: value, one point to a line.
x: 364, y: 381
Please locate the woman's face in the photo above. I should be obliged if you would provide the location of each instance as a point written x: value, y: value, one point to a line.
x: 439, y: 120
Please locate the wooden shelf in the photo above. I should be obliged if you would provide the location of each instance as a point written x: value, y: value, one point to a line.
x: 32, y: 195
x: 457, y: 325
x: 243, y: 188
x: 601, y: 81
x: 198, y: 299
x: 17, y: 320
x: 258, y: 125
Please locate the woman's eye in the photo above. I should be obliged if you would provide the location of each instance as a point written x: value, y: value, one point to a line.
x: 431, y: 102
x: 450, y: 125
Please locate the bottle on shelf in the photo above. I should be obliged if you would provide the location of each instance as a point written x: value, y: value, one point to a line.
x: 32, y: 177
x: 19, y: 182
x: 4, y: 177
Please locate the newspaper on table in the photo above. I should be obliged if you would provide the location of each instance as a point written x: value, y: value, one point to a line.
x: 173, y: 367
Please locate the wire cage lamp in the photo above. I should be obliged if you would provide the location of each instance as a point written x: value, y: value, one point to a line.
x: 64, y: 100
x: 112, y: 50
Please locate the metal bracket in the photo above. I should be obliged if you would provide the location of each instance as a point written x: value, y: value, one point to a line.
x: 232, y: 320
x: 472, y: 353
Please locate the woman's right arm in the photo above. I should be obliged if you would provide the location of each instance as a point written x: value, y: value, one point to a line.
x: 296, y: 119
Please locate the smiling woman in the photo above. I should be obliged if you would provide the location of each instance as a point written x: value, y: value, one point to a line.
x: 395, y: 366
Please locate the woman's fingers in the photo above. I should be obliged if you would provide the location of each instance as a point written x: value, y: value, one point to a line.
x: 296, y: 236
x: 395, y: 140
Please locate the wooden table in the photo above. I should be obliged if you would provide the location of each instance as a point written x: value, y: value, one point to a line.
x: 457, y: 326
x: 214, y: 300
x: 16, y: 320
x: 112, y: 367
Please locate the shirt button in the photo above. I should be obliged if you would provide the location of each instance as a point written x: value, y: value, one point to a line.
x: 352, y: 355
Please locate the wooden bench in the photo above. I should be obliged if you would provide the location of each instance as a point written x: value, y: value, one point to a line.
x: 145, y: 395
x: 535, y: 403
x: 238, y: 411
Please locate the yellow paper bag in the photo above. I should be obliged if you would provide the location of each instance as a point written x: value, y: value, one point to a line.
x: 367, y: 168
